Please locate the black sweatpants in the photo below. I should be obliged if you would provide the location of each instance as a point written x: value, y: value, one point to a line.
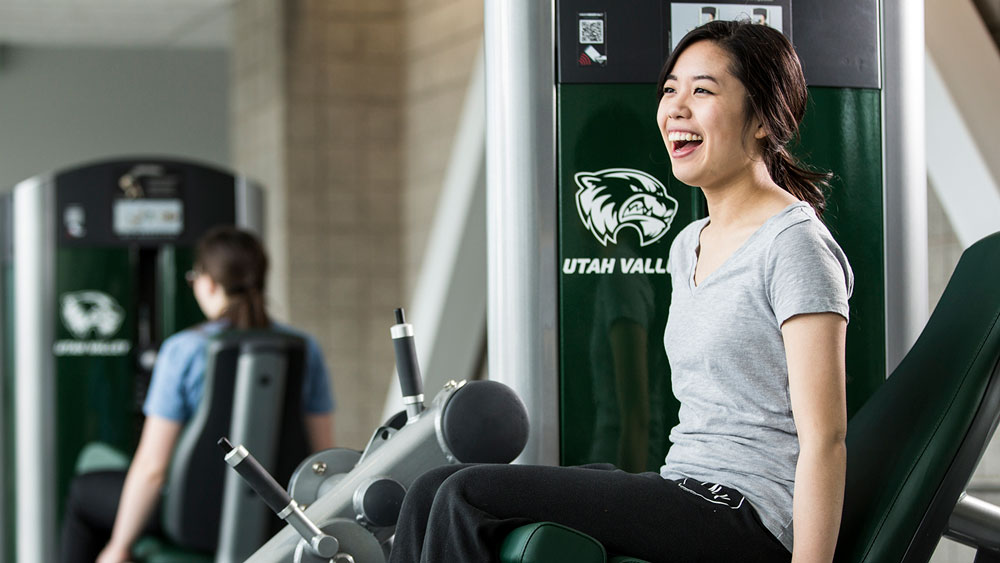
x: 90, y: 515
x: 461, y: 513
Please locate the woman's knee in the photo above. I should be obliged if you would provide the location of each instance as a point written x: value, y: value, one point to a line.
x: 424, y: 488
x: 432, y: 479
x: 82, y: 488
x: 475, y: 481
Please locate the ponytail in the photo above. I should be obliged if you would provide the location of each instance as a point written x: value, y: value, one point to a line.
x: 807, y: 185
x: 236, y: 260
x: 246, y: 310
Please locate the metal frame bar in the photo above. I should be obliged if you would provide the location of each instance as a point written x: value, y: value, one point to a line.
x: 975, y: 523
x: 249, y: 205
x: 521, y: 213
x: 5, y: 258
x: 34, y: 318
x: 905, y: 177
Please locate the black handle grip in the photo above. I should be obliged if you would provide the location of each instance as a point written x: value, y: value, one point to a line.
x: 260, y: 480
x: 407, y: 367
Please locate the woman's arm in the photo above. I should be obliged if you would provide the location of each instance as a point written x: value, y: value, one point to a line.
x: 814, y: 349
x: 319, y: 427
x: 142, y: 486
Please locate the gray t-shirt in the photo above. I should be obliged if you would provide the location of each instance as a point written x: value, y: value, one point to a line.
x: 727, y: 356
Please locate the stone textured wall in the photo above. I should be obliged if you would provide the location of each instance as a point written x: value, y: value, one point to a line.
x: 443, y: 37
x: 345, y: 110
x: 324, y: 136
x: 257, y: 113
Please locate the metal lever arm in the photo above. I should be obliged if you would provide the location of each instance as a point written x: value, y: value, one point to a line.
x: 277, y: 499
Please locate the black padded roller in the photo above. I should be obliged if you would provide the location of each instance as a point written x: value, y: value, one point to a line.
x: 381, y: 502
x: 485, y: 422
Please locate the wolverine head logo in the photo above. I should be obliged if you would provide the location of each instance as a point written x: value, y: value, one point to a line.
x: 88, y: 312
x: 615, y: 198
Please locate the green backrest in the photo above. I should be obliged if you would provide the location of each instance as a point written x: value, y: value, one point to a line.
x: 914, y: 445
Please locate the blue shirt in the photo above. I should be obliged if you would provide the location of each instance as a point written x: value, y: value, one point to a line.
x: 179, y: 374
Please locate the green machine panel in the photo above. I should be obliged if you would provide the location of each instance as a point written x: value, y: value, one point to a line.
x: 619, y: 208
x: 104, y: 327
x: 616, y: 404
x: 842, y: 133
x: 110, y: 245
x: 93, y: 354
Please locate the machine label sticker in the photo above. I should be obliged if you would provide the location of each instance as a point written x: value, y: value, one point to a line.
x: 590, y: 41
x: 75, y: 220
x: 685, y: 16
x: 92, y: 317
x: 615, y: 198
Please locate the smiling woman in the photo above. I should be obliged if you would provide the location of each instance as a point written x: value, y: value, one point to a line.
x: 755, y: 339
x: 763, y: 92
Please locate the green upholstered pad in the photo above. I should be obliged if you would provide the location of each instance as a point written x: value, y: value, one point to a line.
x: 547, y: 542
x: 624, y: 559
x: 155, y: 550
x: 908, y: 436
x: 98, y: 456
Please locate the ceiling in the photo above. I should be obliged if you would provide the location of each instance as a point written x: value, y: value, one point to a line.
x: 165, y: 23
x: 116, y: 23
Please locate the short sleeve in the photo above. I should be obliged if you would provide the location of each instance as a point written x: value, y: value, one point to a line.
x: 807, y: 272
x: 167, y: 395
x: 317, y: 394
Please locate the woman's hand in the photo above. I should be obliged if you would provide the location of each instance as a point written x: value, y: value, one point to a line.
x: 113, y: 553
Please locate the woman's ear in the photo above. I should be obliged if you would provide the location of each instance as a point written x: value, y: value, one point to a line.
x: 761, y: 132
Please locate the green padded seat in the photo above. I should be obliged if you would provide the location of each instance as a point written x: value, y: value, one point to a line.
x: 156, y: 550
x: 552, y: 543
x: 913, y: 447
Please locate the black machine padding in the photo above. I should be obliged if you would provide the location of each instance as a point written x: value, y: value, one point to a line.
x: 193, y: 499
x: 485, y: 422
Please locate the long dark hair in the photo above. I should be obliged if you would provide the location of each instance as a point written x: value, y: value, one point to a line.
x: 764, y: 61
x: 235, y: 259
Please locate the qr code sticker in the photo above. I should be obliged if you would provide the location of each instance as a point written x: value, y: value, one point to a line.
x: 591, y: 32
